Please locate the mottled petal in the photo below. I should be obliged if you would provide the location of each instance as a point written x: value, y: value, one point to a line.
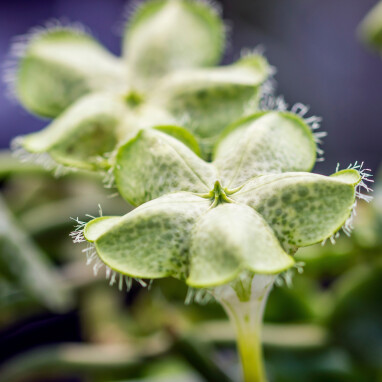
x: 165, y: 35
x: 302, y: 208
x: 229, y: 239
x: 61, y: 65
x: 153, y: 164
x: 208, y: 100
x: 152, y: 241
x: 82, y: 134
x: 266, y: 142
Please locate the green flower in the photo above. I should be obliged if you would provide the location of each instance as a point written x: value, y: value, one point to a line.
x: 166, y: 75
x: 206, y: 223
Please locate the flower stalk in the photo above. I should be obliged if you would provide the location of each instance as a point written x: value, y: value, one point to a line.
x: 244, y: 301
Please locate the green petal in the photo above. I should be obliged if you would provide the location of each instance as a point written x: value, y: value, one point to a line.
x: 83, y: 134
x: 266, y: 142
x: 302, y: 208
x: 98, y: 226
x: 207, y: 100
x: 148, y: 116
x: 370, y: 29
x: 229, y: 239
x: 349, y: 176
x: 152, y: 241
x: 167, y: 35
x: 153, y: 164
x: 181, y: 135
x: 61, y: 65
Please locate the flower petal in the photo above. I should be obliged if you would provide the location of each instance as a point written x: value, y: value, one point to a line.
x: 82, y: 134
x: 98, y: 226
x: 153, y: 164
x: 59, y: 66
x: 152, y: 241
x: 301, y: 208
x: 266, y: 142
x: 165, y: 35
x: 229, y: 239
x: 207, y: 100
x: 181, y: 135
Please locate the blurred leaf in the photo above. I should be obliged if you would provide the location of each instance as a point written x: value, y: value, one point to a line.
x: 310, y: 366
x: 9, y: 165
x: 30, y: 269
x: 287, y: 304
x: 96, y: 361
x: 10, y: 295
x: 177, y: 377
x: 291, y: 336
x: 102, y: 317
x: 367, y: 234
x: 170, y: 369
x: 57, y: 214
x: 328, y: 260
x: 198, y: 356
x: 356, y: 321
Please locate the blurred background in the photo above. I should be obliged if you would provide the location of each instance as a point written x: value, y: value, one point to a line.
x: 59, y: 323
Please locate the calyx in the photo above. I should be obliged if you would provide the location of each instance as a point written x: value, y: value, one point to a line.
x: 220, y: 194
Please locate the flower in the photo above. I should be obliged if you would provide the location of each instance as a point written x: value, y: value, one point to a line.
x: 205, y: 223
x: 165, y: 76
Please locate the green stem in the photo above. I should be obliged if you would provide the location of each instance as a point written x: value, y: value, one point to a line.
x: 249, y: 346
x: 244, y: 302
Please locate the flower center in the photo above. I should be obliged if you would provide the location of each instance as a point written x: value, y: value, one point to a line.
x: 219, y: 194
x: 134, y: 99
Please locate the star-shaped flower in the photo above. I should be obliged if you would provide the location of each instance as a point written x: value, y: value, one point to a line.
x: 205, y: 223
x: 165, y: 76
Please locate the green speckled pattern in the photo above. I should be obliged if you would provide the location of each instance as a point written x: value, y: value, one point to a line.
x: 270, y: 142
x: 153, y: 240
x: 167, y: 35
x: 55, y: 70
x: 251, y: 228
x: 154, y: 164
x: 207, y: 100
x: 301, y: 208
x: 82, y: 134
x: 229, y: 239
x: 250, y: 225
